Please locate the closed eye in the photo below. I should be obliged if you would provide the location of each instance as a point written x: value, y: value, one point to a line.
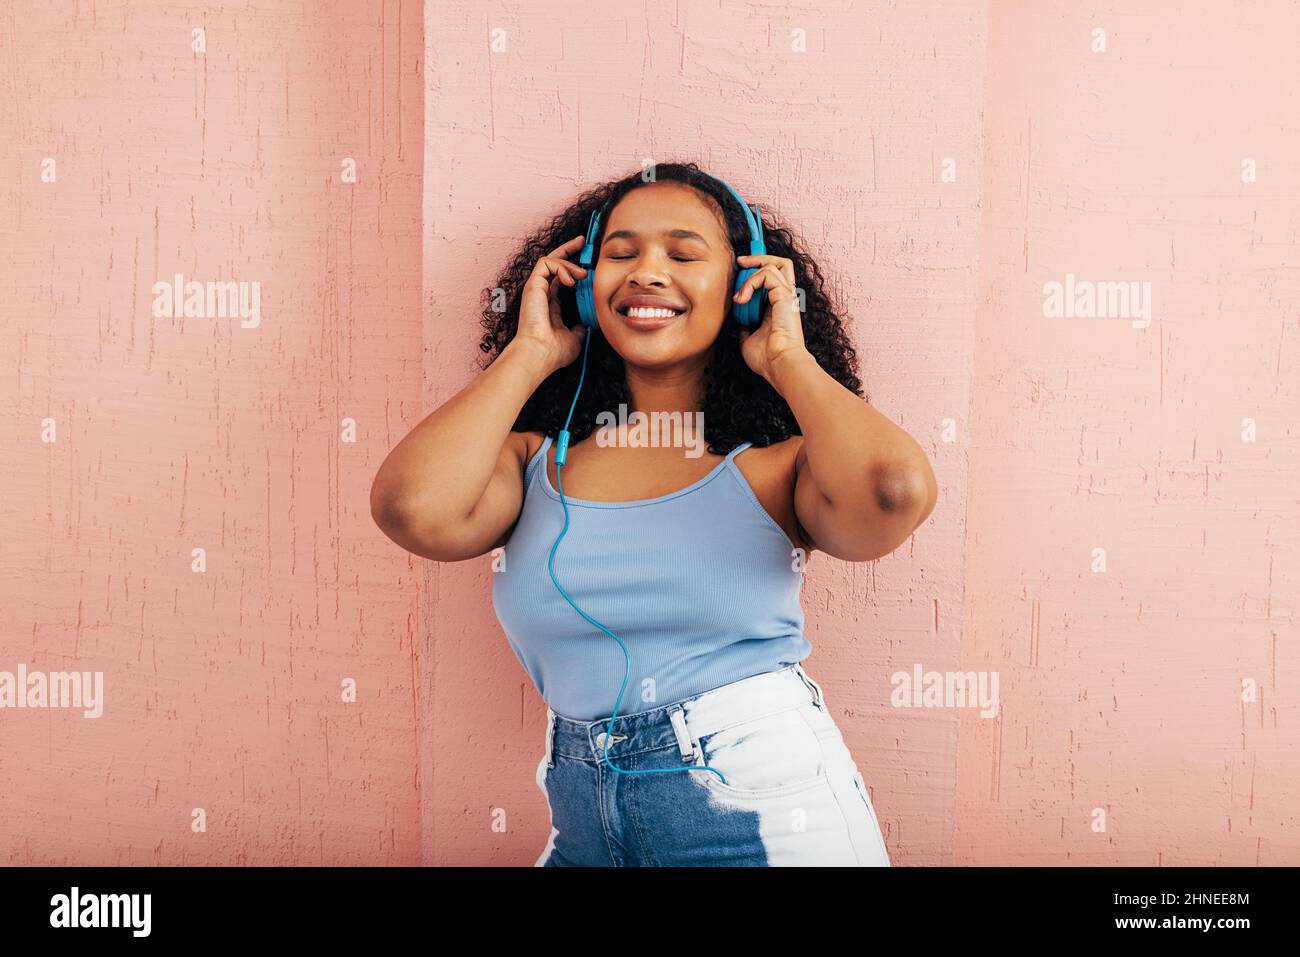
x: 680, y: 259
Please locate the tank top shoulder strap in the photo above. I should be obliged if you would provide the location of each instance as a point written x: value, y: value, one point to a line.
x: 539, y: 457
x: 737, y: 450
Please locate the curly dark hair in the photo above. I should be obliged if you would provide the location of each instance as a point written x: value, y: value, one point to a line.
x: 738, y: 404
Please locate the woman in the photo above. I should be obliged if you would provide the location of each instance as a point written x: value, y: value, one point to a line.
x: 622, y: 555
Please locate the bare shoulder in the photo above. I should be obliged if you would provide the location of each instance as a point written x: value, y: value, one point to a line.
x: 778, y: 457
x: 770, y: 471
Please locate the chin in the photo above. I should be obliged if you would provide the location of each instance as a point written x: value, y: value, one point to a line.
x: 649, y: 355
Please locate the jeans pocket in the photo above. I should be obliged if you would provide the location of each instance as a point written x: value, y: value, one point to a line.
x: 772, y: 756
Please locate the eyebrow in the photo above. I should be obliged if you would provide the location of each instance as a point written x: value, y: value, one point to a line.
x: 671, y: 234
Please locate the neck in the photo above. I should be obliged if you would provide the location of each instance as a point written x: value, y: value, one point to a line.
x: 674, y: 389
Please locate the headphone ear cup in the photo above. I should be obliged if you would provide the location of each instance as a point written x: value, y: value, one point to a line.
x: 749, y: 314
x: 584, y: 288
x: 582, y: 291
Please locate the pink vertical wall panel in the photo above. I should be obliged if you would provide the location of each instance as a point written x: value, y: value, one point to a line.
x: 1124, y: 735
x: 846, y: 141
x: 222, y: 687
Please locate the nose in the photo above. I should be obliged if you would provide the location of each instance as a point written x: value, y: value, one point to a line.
x: 648, y: 271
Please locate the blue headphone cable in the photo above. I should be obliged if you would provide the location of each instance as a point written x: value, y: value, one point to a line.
x: 561, y: 453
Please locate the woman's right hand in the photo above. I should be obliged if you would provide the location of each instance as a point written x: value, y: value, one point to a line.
x: 540, y: 324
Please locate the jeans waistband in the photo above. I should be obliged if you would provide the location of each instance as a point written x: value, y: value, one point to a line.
x: 682, y: 723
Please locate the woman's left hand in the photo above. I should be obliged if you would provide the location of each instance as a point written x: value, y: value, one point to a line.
x: 781, y: 331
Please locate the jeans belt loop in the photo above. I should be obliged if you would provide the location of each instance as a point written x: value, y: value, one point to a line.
x: 812, y: 686
x: 685, y: 744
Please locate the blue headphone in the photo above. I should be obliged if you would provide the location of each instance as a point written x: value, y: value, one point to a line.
x: 748, y: 314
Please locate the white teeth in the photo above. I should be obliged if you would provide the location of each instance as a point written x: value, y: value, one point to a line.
x: 640, y: 312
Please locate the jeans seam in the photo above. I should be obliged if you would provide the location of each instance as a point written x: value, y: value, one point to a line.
x: 646, y: 852
x: 818, y: 700
x: 830, y: 786
x: 604, y: 820
x: 866, y: 799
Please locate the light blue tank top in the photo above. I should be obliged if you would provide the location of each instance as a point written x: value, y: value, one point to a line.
x: 700, y: 584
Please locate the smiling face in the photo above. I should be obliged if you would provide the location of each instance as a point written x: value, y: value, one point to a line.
x: 662, y: 284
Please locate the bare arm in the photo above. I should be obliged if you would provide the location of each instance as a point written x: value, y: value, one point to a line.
x: 862, y: 484
x: 452, y: 488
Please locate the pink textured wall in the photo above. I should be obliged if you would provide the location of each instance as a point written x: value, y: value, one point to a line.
x: 222, y: 687
x: 944, y: 161
x: 1125, y: 736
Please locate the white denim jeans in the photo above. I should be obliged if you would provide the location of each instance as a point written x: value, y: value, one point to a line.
x: 783, y: 788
